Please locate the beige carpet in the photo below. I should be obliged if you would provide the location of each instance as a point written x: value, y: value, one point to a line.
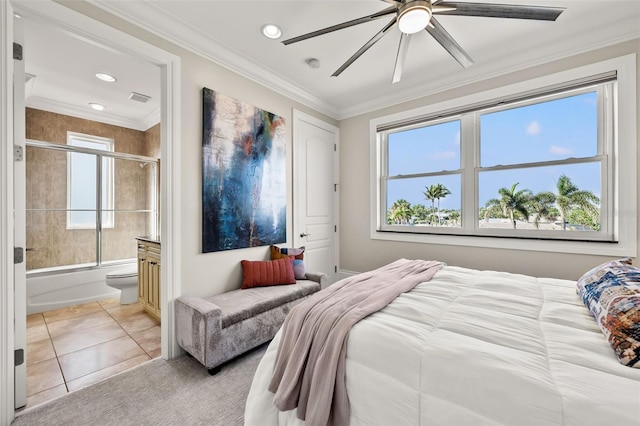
x: 176, y: 392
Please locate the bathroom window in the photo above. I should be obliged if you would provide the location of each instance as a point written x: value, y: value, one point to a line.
x: 86, y: 199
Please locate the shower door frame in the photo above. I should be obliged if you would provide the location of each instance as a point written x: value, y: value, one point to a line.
x: 99, y: 176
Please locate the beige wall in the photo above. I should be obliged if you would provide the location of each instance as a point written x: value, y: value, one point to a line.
x: 359, y: 253
x: 47, y: 233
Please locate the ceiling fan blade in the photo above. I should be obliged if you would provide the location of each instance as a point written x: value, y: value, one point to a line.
x: 441, y: 35
x: 366, y: 47
x: 369, y: 18
x: 398, y: 3
x: 400, y: 58
x: 490, y: 10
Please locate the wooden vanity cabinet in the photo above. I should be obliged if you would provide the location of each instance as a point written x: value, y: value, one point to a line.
x: 149, y: 276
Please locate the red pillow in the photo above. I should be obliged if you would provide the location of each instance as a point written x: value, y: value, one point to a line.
x: 267, y: 272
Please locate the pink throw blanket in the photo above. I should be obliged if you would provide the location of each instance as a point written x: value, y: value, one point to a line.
x: 310, y: 366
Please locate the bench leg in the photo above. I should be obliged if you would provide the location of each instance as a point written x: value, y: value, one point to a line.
x: 215, y: 370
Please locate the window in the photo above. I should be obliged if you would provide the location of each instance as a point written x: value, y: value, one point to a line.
x: 83, y: 204
x: 536, y: 165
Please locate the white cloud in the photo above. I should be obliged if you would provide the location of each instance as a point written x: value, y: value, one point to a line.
x: 560, y: 150
x: 442, y: 155
x: 534, y: 128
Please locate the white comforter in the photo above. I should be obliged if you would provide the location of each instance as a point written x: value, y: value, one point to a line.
x: 476, y: 347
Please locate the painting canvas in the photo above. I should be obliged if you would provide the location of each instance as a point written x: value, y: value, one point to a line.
x: 244, y: 175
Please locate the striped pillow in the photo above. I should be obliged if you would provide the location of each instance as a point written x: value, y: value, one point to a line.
x: 267, y: 272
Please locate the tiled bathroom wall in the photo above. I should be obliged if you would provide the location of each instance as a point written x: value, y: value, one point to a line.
x: 49, y: 241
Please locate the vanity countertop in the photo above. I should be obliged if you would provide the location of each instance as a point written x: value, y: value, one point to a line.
x: 148, y: 239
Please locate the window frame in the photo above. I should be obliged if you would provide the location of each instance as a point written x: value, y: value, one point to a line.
x: 621, y: 202
x: 106, y: 213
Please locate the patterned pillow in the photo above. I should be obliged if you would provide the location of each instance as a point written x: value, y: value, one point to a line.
x: 611, y: 291
x: 298, y: 259
x: 267, y: 272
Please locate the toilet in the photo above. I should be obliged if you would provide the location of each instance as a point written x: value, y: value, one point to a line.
x: 125, y: 280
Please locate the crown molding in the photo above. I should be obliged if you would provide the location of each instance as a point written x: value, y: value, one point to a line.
x: 186, y: 37
x: 101, y: 117
x: 150, y: 18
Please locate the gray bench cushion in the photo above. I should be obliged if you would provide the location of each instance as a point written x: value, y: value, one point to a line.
x: 239, y: 305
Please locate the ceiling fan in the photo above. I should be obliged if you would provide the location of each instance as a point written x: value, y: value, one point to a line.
x: 413, y: 16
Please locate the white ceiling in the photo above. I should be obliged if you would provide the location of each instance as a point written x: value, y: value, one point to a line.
x: 64, y: 67
x: 228, y: 32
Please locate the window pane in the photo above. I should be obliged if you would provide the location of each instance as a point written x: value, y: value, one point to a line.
x: 407, y: 203
x: 576, y: 194
x: 547, y: 131
x: 426, y: 149
x: 82, y: 189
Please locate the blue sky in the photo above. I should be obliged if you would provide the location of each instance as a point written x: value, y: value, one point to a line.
x: 547, y: 131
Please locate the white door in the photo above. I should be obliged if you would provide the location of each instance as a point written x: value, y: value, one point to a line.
x: 19, y: 235
x: 315, y: 186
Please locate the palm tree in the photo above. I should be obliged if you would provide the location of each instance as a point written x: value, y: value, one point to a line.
x: 436, y: 192
x: 512, y: 203
x: 400, y: 211
x: 541, y: 205
x: 569, y: 196
x: 431, y: 194
x: 420, y: 212
x: 441, y: 191
x: 454, y: 216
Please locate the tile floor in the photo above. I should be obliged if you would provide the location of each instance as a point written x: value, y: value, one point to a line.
x: 73, y: 347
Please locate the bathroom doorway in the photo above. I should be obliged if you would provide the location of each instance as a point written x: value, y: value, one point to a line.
x: 105, y: 252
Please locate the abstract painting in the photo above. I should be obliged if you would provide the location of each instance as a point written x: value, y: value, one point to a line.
x: 244, y: 186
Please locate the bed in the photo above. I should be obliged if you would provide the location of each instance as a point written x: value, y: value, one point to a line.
x: 471, y: 347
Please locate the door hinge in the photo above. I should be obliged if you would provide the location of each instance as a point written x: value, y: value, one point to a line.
x: 335, y: 147
x: 17, y: 51
x: 18, y: 255
x: 335, y: 268
x: 18, y: 153
x: 335, y: 228
x: 18, y: 356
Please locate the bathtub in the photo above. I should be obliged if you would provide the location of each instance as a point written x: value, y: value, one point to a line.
x: 46, y: 292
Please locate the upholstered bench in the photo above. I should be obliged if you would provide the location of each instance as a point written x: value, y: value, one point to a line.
x: 216, y: 329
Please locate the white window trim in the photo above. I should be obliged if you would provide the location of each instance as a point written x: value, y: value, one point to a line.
x: 109, y: 143
x: 624, y: 141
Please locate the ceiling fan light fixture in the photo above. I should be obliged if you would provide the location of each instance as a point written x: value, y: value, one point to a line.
x: 414, y: 16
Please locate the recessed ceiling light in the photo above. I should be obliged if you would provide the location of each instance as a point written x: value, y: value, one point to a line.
x: 17, y: 15
x: 271, y: 31
x: 106, y: 77
x: 97, y: 107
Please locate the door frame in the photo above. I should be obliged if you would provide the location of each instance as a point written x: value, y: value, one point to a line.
x: 100, y: 33
x: 6, y: 215
x: 299, y: 116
